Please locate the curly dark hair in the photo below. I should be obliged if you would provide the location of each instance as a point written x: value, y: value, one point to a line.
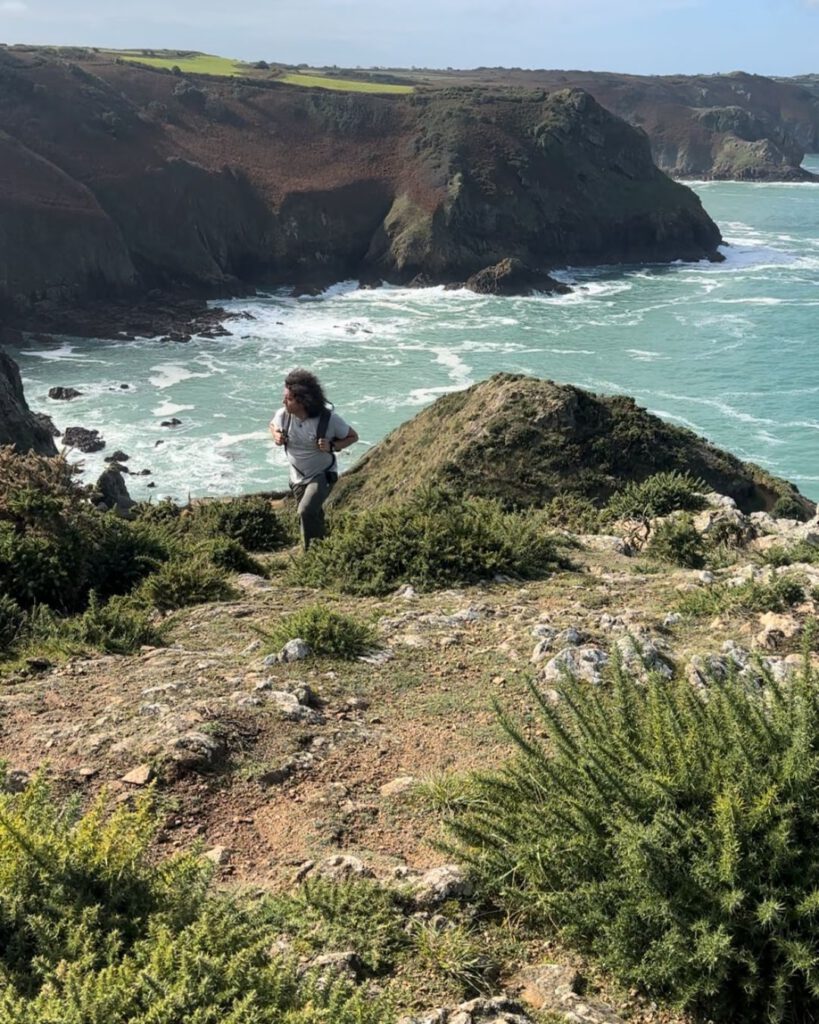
x: 305, y: 388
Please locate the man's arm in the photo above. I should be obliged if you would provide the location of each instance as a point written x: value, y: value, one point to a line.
x: 277, y: 430
x: 340, y: 443
x: 337, y: 444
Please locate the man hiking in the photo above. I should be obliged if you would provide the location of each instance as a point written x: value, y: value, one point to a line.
x: 311, y: 433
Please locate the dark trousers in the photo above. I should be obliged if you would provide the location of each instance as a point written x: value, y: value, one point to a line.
x: 311, y: 497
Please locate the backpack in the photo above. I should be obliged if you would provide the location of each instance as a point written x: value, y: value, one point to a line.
x: 331, y: 474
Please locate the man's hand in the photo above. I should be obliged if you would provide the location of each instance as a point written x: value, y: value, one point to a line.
x: 279, y: 436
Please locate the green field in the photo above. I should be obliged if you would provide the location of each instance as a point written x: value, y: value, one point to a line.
x: 207, y: 64
x: 199, y: 63
x: 345, y: 84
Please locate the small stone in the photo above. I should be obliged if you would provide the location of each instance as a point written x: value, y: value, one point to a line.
x: 397, y: 786
x: 441, y: 884
x: 217, y: 855
x: 139, y: 776
x: 294, y: 650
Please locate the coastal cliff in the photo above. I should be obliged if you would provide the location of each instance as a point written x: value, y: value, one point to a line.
x: 19, y: 426
x: 119, y: 179
x: 733, y: 126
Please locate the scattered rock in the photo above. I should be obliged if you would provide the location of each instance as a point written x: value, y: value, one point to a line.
x: 438, y: 885
x: 294, y: 650
x: 582, y: 662
x: 113, y: 494
x: 63, y: 394
x: 196, y: 750
x: 217, y: 855
x: 397, y: 786
x: 343, y: 867
x: 85, y: 440
x: 16, y: 780
x: 139, y: 776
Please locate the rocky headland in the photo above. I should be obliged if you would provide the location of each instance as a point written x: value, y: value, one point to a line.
x: 732, y: 126
x: 525, y: 441
x: 120, y: 180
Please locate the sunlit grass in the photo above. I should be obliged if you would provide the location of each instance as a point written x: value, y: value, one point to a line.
x: 208, y: 64
x: 199, y: 63
x: 345, y: 84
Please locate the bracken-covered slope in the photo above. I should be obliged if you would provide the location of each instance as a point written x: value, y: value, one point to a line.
x: 118, y: 179
x: 525, y: 440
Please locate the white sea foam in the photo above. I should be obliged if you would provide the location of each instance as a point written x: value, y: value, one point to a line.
x: 166, y: 375
x: 65, y: 351
x: 171, y: 409
x: 645, y: 355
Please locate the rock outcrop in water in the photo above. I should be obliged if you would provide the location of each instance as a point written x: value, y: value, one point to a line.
x: 19, y: 426
x: 118, y: 179
x: 525, y: 440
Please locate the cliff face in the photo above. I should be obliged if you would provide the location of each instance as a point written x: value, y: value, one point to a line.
x: 735, y: 126
x: 19, y: 426
x: 525, y: 440
x: 117, y: 179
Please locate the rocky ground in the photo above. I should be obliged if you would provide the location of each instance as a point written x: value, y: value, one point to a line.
x: 283, y: 769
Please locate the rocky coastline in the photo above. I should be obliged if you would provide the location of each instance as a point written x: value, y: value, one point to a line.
x: 128, y: 182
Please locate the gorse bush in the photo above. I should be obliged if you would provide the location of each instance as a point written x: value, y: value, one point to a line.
x: 434, y: 539
x: 657, y: 495
x: 780, y: 555
x: 184, y: 582
x: 572, y: 512
x: 677, y: 540
x: 671, y: 835
x: 92, y: 929
x: 774, y: 595
x: 229, y: 555
x: 789, y: 507
x: 327, y: 633
x: 119, y: 626
x: 54, y: 547
x: 12, y: 618
x: 251, y: 521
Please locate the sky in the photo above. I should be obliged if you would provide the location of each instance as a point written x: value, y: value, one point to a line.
x: 768, y: 37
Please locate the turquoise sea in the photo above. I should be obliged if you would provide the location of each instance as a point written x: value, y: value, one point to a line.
x: 730, y: 350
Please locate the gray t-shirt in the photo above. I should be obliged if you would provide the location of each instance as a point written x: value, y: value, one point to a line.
x: 306, y: 460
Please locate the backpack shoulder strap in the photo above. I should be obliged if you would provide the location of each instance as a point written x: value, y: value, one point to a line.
x: 323, y: 423
x: 321, y: 430
x: 285, y: 427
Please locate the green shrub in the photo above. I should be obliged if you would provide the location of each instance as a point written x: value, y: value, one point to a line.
x: 12, y: 618
x: 676, y: 540
x: 657, y: 495
x: 434, y: 539
x: 789, y: 507
x: 356, y: 914
x: 457, y: 953
x: 572, y: 512
x: 799, y: 552
x: 54, y: 546
x: 94, y: 929
x: 327, y: 633
x: 775, y: 595
x: 229, y: 555
x: 120, y: 626
x: 252, y: 521
x: 674, y: 837
x: 184, y: 582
